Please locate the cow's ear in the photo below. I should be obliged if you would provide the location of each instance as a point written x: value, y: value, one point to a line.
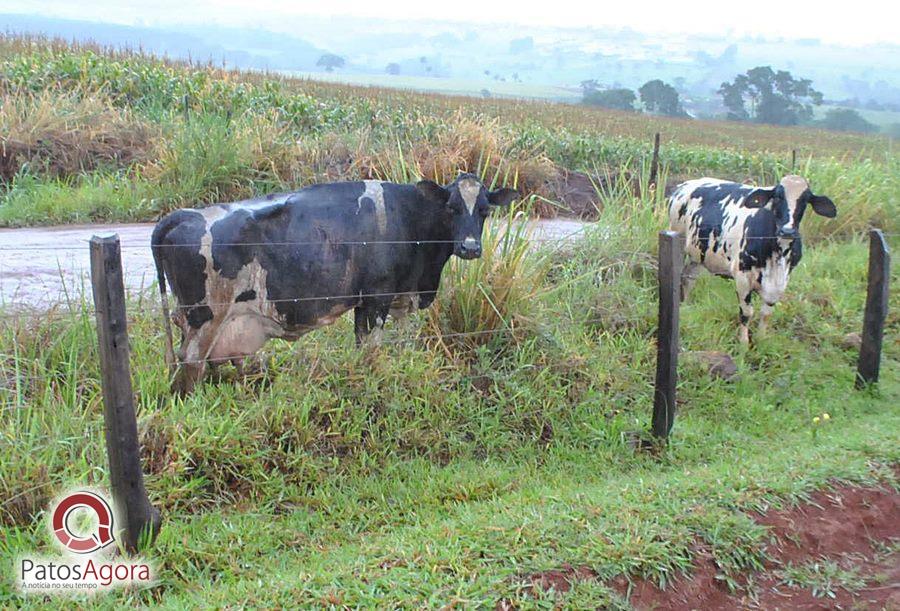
x: 433, y: 191
x: 824, y: 206
x: 502, y: 197
x: 759, y: 198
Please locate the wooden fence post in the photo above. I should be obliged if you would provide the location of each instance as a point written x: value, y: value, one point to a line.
x: 793, y: 159
x: 671, y: 260
x: 876, y: 310
x: 122, y: 446
x: 654, y: 161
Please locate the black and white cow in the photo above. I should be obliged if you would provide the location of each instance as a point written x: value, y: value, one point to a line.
x: 743, y: 232
x: 283, y: 265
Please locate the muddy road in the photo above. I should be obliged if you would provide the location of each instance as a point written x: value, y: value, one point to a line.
x: 44, y: 266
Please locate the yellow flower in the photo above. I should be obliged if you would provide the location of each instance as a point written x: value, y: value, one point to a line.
x: 816, y: 420
x: 825, y: 416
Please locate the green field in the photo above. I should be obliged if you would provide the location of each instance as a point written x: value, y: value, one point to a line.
x: 444, y: 469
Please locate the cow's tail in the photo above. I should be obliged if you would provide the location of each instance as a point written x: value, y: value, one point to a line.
x: 157, y: 246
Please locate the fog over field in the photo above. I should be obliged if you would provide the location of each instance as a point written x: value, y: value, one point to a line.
x: 495, y: 57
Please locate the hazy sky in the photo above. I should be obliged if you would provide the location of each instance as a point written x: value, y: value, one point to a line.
x: 858, y: 23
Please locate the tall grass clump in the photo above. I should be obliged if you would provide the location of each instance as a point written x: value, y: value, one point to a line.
x: 211, y: 158
x: 49, y: 402
x: 495, y: 297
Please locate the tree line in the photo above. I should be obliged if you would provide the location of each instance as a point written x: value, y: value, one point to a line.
x: 760, y: 95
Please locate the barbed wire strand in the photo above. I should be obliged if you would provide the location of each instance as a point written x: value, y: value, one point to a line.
x: 567, y: 237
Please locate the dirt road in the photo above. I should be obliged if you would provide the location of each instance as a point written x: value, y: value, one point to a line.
x: 43, y: 266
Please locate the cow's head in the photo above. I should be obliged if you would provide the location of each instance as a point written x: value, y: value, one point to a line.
x: 467, y: 203
x: 788, y: 201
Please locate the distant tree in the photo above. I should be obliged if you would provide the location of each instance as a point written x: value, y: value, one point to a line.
x: 893, y: 130
x: 330, y: 61
x: 659, y: 98
x: 485, y: 93
x: 773, y: 97
x: 423, y: 60
x: 521, y: 45
x: 846, y: 120
x: 392, y: 68
x: 589, y: 85
x: 617, y: 99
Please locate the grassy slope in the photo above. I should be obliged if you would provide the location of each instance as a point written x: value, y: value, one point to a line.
x: 441, y: 471
x: 400, y: 482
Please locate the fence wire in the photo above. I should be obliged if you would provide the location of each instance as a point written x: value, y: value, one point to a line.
x: 84, y: 244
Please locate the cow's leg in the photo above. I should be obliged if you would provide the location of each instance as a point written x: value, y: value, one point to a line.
x: 368, y: 320
x: 688, y: 277
x: 764, y: 313
x: 191, y: 360
x: 187, y: 376
x: 744, y: 293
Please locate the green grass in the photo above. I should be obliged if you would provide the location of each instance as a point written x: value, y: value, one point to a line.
x: 439, y: 471
x: 421, y: 478
x: 822, y: 577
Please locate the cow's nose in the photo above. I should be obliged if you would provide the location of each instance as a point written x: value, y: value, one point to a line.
x: 469, y: 250
x: 787, y: 233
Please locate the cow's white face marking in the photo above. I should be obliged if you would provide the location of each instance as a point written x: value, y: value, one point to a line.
x: 794, y: 186
x: 375, y: 192
x: 469, y: 190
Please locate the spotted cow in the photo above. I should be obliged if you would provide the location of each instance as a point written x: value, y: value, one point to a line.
x: 750, y: 234
x: 280, y: 266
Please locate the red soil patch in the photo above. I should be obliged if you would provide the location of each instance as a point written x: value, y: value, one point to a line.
x: 839, y: 525
x: 577, y: 192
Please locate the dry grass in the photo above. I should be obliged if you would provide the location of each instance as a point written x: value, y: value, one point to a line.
x: 62, y: 134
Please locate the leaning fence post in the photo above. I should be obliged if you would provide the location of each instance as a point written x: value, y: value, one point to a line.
x: 671, y: 260
x: 876, y: 310
x: 654, y: 161
x: 122, y: 446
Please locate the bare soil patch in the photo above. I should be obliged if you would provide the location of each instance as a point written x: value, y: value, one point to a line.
x: 849, y: 530
x: 854, y: 529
